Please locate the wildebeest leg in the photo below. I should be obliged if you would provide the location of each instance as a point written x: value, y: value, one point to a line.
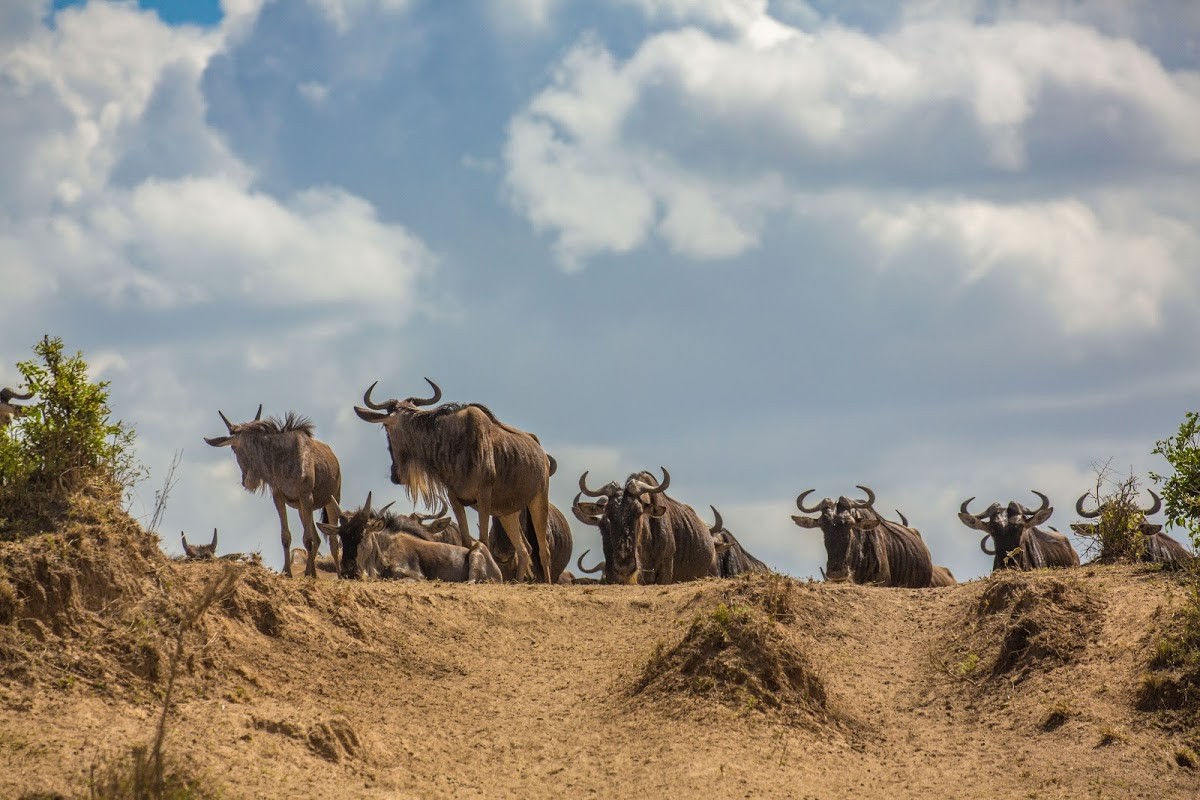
x: 460, y: 516
x: 335, y: 549
x: 539, y: 512
x: 284, y: 534
x: 511, y: 523
x: 312, y: 540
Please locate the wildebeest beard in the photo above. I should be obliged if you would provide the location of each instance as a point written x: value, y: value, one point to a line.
x: 626, y: 519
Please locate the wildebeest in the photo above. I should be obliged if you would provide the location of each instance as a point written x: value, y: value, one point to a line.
x: 862, y: 547
x: 370, y: 549
x: 732, y: 558
x: 464, y: 454
x: 435, y: 527
x: 1020, y: 544
x: 647, y: 537
x: 558, y: 532
x: 301, y: 471
x: 942, y: 576
x: 9, y: 410
x: 199, y: 552
x: 1158, y: 546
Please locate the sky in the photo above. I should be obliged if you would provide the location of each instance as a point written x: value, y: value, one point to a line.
x: 942, y: 248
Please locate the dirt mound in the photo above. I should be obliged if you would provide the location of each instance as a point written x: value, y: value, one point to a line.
x: 1029, y: 622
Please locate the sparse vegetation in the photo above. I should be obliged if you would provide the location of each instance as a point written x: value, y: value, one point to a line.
x: 1117, y: 534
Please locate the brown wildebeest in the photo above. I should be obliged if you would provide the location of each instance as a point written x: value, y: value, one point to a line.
x: 1159, y: 548
x: 732, y: 558
x: 199, y: 552
x: 301, y: 471
x: 1019, y: 543
x: 863, y: 547
x: 464, y: 454
x: 558, y: 532
x: 370, y: 549
x: 942, y: 576
x: 648, y: 538
x: 8, y: 410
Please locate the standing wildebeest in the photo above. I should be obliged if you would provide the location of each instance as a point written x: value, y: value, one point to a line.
x: 1019, y: 543
x: 648, y: 538
x: 301, y: 471
x: 863, y: 547
x: 463, y: 453
x: 372, y: 549
x: 1159, y: 548
x: 199, y: 552
x: 732, y: 558
x: 8, y: 411
x: 557, y: 531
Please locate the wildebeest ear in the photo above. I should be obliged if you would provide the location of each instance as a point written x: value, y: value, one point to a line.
x: 1083, y: 528
x: 367, y: 415
x: 1151, y: 528
x: 328, y: 528
x: 591, y: 509
x: 656, y: 511
x: 1040, y: 516
x: 219, y: 441
x: 437, y: 525
x: 806, y: 522
x: 867, y: 523
x: 722, y: 546
x: 971, y: 521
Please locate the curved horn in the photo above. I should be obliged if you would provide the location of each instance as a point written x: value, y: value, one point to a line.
x: 581, y: 515
x: 800, y: 502
x: 1154, y: 509
x: 225, y: 419
x: 870, y: 501
x: 719, y: 524
x: 583, y: 489
x: 183, y: 537
x: 1045, y: 503
x: 983, y: 545
x: 383, y: 510
x: 903, y: 519
x: 258, y: 416
x: 427, y: 401
x: 387, y: 406
x: 662, y: 487
x: 11, y: 394
x: 214, y: 541
x: 963, y: 508
x: 367, y: 505
x: 1079, y: 508
x: 582, y: 568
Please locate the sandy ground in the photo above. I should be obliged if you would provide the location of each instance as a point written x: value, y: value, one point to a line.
x: 1018, y: 686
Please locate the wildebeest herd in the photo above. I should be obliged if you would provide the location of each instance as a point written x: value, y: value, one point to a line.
x: 457, y: 456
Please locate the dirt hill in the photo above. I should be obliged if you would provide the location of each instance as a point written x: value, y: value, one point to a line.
x: 1014, y: 686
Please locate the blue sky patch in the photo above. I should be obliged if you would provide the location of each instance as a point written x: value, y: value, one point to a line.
x: 173, y: 12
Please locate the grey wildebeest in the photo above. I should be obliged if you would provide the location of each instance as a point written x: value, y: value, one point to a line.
x: 862, y: 547
x: 942, y: 576
x: 9, y: 410
x: 300, y: 470
x: 1157, y: 546
x: 371, y: 549
x: 648, y: 538
x: 558, y: 532
x: 732, y: 558
x: 464, y: 454
x: 1019, y: 543
x: 199, y: 552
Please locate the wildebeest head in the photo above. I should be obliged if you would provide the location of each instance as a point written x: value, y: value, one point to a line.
x: 9, y: 411
x: 1005, y: 524
x: 350, y: 527
x: 623, y: 515
x: 1130, y: 513
x: 838, y: 519
x: 405, y: 471
x: 199, y: 552
x: 251, y: 481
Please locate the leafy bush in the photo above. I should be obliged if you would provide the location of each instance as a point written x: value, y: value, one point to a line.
x: 1181, y: 491
x: 64, y: 443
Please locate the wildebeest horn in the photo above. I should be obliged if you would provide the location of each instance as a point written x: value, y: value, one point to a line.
x: 1079, y: 508
x: 553, y: 463
x: 1045, y: 504
x: 1154, y: 509
x: 385, y: 508
x: 387, y: 406
x: 869, y: 502
x: 800, y: 502
x: 662, y: 487
x: 983, y: 545
x: 366, y: 509
x: 581, y: 515
x: 258, y: 416
x: 903, y: 519
x: 582, y: 568
x: 583, y: 489
x: 719, y: 524
x: 225, y: 419
x: 427, y: 401
x: 963, y: 508
x: 183, y: 537
x: 214, y: 541
x: 11, y: 394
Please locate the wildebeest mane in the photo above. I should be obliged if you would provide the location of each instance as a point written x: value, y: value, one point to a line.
x: 291, y: 423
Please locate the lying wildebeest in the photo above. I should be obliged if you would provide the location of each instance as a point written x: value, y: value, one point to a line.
x: 370, y: 549
x: 326, y: 569
x: 463, y: 453
x: 9, y: 411
x: 1158, y: 546
x: 863, y: 547
x: 647, y: 537
x: 558, y: 532
x: 1019, y: 543
x: 942, y: 576
x: 732, y: 558
x: 199, y: 552
x: 301, y: 471
x: 435, y: 527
